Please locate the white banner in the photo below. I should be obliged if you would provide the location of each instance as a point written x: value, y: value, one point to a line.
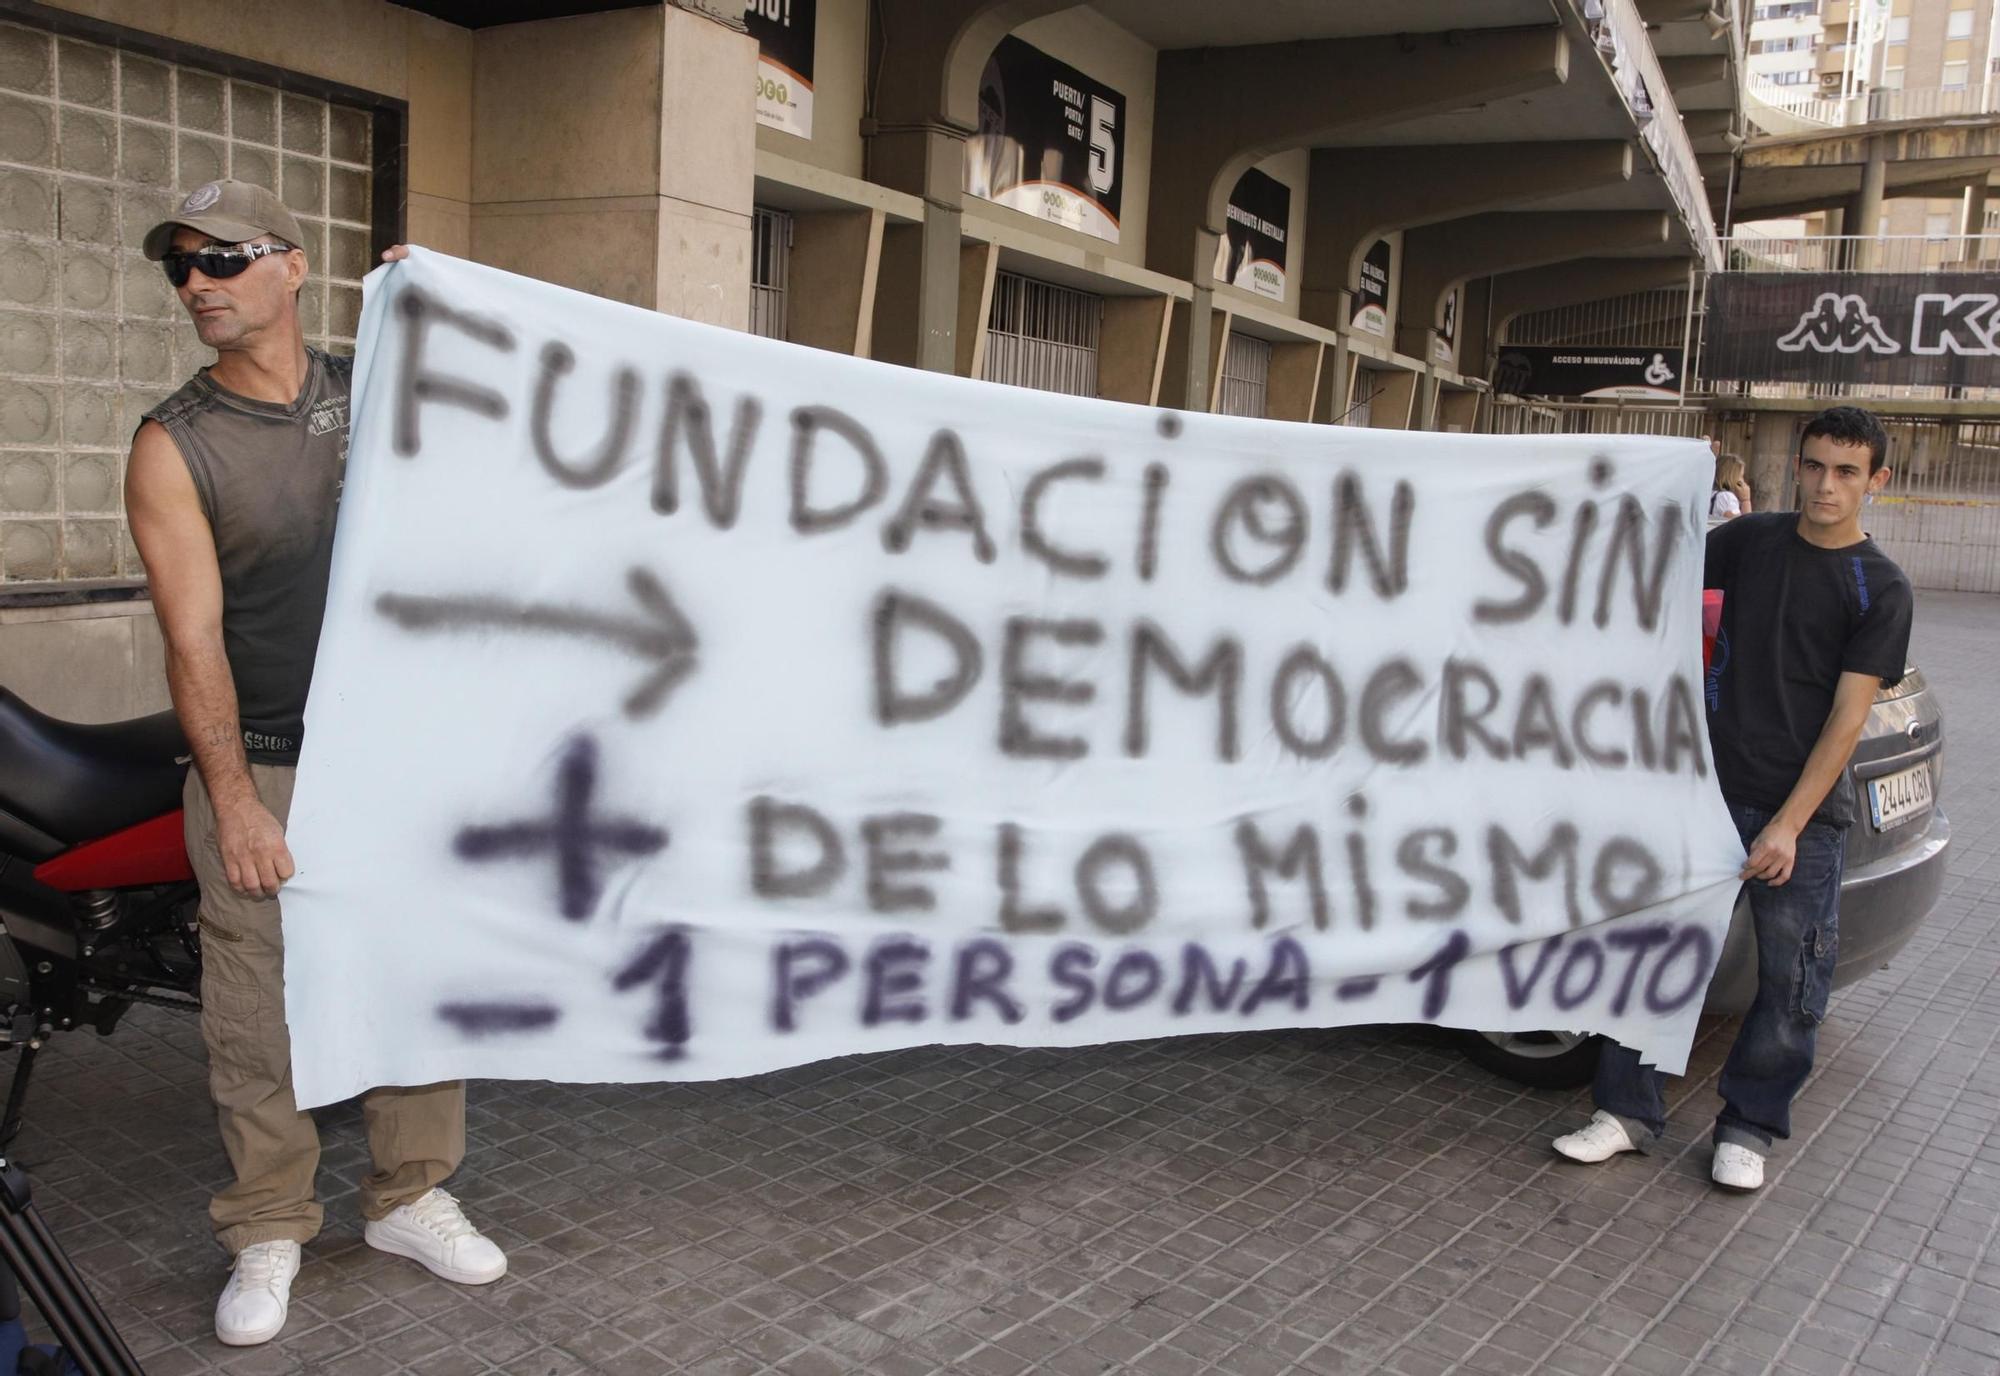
x: 691, y: 705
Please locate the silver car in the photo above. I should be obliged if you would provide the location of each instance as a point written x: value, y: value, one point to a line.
x: 1895, y: 870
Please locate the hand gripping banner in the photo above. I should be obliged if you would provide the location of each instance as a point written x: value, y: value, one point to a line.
x: 691, y: 705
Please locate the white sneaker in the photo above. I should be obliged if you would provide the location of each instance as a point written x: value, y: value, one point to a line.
x: 1602, y: 1138
x: 1737, y: 1167
x: 434, y: 1232
x: 253, y: 1305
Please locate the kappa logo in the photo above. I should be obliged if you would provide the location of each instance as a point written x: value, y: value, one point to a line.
x: 1956, y: 323
x: 1839, y: 324
x: 201, y: 198
x: 1965, y: 323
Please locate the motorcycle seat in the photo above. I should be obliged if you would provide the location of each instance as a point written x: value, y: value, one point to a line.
x: 78, y: 782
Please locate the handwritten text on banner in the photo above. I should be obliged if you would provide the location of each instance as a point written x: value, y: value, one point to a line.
x: 691, y: 705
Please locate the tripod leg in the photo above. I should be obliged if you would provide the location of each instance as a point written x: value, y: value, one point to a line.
x: 17, y: 1096
x: 56, y: 1307
x: 59, y: 1293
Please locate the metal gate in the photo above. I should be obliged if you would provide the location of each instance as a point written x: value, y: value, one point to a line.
x: 1511, y: 416
x: 1246, y: 376
x: 1940, y: 518
x: 770, y: 270
x: 1361, y: 413
x: 1044, y: 336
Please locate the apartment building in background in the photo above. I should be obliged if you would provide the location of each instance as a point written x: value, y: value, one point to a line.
x: 1855, y: 61
x: 1786, y: 41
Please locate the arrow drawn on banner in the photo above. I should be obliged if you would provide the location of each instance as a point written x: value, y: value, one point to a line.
x: 661, y: 634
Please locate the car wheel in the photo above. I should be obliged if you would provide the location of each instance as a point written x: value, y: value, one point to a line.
x: 1542, y: 1060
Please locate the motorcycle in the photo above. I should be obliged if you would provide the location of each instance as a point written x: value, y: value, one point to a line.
x: 97, y: 899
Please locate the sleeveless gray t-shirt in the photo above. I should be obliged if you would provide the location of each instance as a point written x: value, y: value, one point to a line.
x: 269, y: 480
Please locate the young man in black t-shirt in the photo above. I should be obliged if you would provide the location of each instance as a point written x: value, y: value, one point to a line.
x: 1814, y: 619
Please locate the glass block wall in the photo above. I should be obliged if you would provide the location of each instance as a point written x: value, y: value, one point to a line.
x: 96, y: 143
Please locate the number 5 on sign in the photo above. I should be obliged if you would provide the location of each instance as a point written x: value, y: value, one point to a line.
x: 1103, y: 144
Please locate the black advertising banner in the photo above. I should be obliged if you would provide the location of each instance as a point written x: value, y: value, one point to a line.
x: 1371, y: 294
x: 1051, y: 141
x: 1934, y: 329
x: 1252, y: 254
x: 1445, y: 350
x: 784, y: 32
x: 1527, y: 370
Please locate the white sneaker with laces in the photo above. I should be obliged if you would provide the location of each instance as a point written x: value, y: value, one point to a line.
x: 1737, y: 1167
x: 254, y: 1303
x: 434, y: 1232
x: 1602, y: 1138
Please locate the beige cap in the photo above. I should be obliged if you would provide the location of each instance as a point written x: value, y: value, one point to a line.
x: 228, y: 211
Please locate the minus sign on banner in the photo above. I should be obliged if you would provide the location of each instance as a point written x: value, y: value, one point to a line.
x: 485, y: 1019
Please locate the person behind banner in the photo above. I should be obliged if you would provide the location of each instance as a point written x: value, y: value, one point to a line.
x: 1731, y: 495
x: 1815, y: 619
x: 231, y: 491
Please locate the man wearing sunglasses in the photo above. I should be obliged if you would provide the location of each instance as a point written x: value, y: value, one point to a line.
x: 231, y: 491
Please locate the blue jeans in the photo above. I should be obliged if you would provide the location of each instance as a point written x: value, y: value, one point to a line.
x: 1798, y: 934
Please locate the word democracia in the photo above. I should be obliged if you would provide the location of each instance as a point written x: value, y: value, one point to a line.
x: 1313, y: 708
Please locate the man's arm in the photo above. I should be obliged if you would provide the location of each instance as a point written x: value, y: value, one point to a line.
x: 1771, y: 854
x: 178, y: 548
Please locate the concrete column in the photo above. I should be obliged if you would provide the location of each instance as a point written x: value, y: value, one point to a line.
x: 1342, y: 367
x: 1475, y: 329
x: 1975, y: 214
x: 928, y: 160
x: 1834, y: 228
x: 708, y: 170
x: 1770, y: 460
x: 1201, y: 317
x: 1427, y: 388
x: 926, y: 106
x: 660, y: 219
x: 1195, y: 340
x: 1868, y: 206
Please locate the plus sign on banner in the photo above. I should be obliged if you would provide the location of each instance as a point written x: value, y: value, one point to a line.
x: 691, y: 704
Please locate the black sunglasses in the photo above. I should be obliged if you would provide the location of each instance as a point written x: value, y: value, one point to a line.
x: 216, y: 262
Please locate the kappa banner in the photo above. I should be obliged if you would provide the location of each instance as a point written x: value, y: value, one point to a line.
x: 1930, y: 329
x: 692, y: 704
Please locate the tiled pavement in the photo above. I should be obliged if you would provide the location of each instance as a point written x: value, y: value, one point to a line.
x: 1317, y: 1201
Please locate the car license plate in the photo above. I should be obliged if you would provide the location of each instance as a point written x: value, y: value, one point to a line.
x: 1895, y: 798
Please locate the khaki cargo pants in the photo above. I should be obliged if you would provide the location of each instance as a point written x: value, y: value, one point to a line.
x: 416, y: 1136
